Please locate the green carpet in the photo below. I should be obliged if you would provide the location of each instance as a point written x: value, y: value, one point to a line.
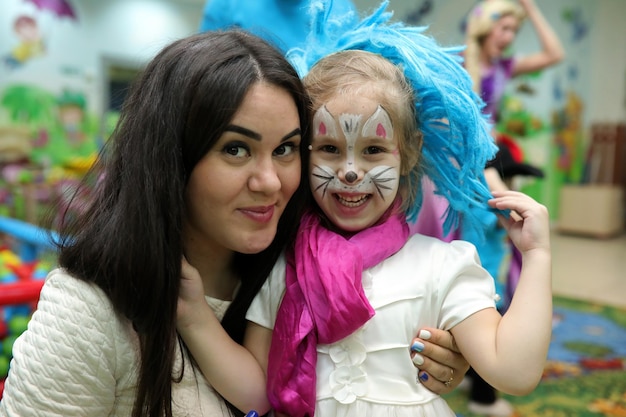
x: 586, y: 371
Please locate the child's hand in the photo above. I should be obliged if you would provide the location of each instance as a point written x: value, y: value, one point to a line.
x: 532, y: 231
x: 191, y: 295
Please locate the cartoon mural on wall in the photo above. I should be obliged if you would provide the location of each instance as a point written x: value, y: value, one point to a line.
x: 569, y: 137
x: 61, y: 129
x: 554, y: 140
x: 48, y: 137
x: 567, y: 126
x: 419, y: 13
x: 30, y: 40
x: 567, y: 118
x: 53, y: 140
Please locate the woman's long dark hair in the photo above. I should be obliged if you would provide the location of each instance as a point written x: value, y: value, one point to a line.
x: 129, y: 239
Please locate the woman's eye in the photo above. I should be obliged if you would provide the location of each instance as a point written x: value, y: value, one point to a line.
x: 286, y: 149
x: 237, y: 150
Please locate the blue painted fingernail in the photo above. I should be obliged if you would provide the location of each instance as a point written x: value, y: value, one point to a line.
x: 417, y: 347
x: 424, y: 377
x: 252, y: 413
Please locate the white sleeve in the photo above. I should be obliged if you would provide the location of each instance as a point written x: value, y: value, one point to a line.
x: 64, y: 363
x: 466, y: 287
x: 265, y: 305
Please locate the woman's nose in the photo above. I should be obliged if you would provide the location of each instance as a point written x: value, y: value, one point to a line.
x: 265, y: 178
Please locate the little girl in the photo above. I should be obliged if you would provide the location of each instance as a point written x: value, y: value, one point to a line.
x: 333, y: 325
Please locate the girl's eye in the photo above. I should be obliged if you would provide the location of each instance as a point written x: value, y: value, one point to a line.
x: 371, y: 150
x: 329, y: 149
x: 238, y: 150
x: 286, y: 149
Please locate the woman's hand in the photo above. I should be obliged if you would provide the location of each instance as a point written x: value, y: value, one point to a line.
x: 527, y: 4
x: 551, y: 52
x: 435, y: 354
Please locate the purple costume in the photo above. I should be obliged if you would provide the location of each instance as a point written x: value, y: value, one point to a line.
x: 493, y: 84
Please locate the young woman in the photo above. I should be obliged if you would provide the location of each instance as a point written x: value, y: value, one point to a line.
x: 205, y: 163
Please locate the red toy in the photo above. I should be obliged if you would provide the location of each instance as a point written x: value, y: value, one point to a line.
x: 20, y: 292
x: 591, y: 363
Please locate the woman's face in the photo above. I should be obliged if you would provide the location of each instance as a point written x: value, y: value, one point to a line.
x: 355, y: 161
x: 502, y: 34
x: 239, y: 189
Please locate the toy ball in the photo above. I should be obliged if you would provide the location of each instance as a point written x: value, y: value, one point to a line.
x: 4, y: 329
x: 4, y: 366
x: 7, y: 345
x: 18, y: 324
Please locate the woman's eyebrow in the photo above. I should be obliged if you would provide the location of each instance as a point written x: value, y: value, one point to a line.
x: 291, y: 134
x: 242, y: 130
x: 253, y: 135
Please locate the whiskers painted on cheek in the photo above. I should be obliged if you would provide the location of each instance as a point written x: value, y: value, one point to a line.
x: 380, y: 180
x: 326, y: 178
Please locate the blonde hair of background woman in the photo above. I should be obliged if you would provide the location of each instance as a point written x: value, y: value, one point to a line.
x: 480, y: 22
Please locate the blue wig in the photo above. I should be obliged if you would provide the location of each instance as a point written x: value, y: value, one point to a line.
x: 457, y: 140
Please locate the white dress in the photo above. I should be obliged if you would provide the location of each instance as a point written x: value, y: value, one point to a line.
x: 78, y: 358
x: 370, y: 373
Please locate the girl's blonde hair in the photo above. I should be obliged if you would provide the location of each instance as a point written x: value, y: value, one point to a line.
x: 353, y: 72
x: 480, y: 22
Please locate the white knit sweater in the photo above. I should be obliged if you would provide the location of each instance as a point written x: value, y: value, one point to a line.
x: 78, y: 358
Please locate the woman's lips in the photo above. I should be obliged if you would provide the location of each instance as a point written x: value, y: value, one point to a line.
x: 261, y: 214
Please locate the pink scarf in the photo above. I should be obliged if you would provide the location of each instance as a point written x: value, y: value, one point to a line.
x: 324, y: 302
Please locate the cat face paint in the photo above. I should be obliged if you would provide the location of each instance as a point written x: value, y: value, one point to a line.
x: 355, y: 163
